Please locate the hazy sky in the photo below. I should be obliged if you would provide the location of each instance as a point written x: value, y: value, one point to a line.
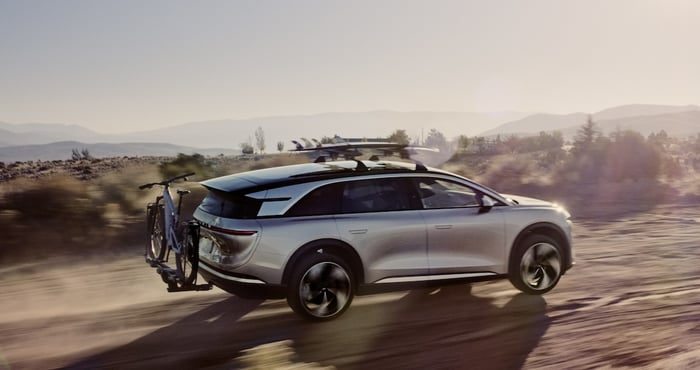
x: 116, y: 66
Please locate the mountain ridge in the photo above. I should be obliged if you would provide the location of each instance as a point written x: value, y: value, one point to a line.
x: 638, y: 117
x: 64, y: 150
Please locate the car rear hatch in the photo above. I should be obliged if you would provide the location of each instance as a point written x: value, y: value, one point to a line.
x: 229, y: 230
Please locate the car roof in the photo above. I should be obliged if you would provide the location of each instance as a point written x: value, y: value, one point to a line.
x: 299, y: 173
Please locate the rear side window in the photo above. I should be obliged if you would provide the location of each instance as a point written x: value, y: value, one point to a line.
x: 230, y: 206
x: 322, y: 201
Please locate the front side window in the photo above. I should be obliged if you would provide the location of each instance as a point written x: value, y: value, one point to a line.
x: 438, y: 193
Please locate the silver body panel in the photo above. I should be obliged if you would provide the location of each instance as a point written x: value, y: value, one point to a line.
x: 393, y: 246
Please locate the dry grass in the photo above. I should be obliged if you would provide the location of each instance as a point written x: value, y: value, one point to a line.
x: 59, y: 211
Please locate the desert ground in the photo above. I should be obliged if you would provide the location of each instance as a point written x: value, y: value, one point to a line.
x: 631, y: 301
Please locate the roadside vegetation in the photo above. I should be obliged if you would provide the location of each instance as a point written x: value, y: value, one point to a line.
x: 87, y: 204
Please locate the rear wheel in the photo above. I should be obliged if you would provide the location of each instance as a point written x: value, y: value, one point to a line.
x: 187, y: 260
x: 536, y: 264
x: 321, y: 288
x: 156, y: 234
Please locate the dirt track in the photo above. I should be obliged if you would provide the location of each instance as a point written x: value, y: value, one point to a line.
x: 632, y: 300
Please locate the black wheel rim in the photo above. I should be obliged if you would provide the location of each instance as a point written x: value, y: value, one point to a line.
x: 540, y: 266
x: 325, y: 289
x: 186, y: 260
x: 156, y: 242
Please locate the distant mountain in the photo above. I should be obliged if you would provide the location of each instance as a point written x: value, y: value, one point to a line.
x: 675, y: 120
x: 537, y: 123
x: 231, y: 133
x: 636, y: 110
x: 679, y: 124
x: 44, y: 133
x: 64, y: 150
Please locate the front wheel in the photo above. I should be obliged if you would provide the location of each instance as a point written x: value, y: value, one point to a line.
x: 321, y: 288
x: 187, y: 261
x: 536, y: 264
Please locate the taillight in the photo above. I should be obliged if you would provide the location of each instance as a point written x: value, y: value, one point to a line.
x: 233, y: 231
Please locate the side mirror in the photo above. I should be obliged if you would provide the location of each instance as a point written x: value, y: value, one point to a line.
x: 485, y: 204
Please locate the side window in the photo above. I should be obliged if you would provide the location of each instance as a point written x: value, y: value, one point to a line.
x: 437, y: 193
x: 390, y: 194
x: 322, y: 201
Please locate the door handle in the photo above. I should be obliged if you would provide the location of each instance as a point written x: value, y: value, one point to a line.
x: 443, y: 227
x: 358, y: 231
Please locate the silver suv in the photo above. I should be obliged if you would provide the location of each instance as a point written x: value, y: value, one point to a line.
x: 320, y: 233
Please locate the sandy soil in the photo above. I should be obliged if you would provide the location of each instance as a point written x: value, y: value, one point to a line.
x: 632, y: 300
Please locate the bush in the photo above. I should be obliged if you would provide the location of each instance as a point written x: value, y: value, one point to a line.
x: 629, y: 156
x: 512, y: 174
x: 54, y: 215
x: 185, y: 163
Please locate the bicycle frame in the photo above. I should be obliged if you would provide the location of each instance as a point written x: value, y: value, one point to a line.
x: 172, y: 217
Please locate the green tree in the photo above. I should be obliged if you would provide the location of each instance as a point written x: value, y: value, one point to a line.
x: 586, y: 138
x: 463, y: 143
x: 400, y: 137
x: 247, y: 148
x: 260, y: 140
x: 629, y: 156
x: 436, y: 139
x: 481, y: 145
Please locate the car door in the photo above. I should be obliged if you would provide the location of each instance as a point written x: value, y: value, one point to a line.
x: 463, y: 237
x: 381, y: 221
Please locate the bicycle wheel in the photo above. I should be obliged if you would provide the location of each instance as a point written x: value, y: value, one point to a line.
x: 156, y: 225
x: 187, y: 260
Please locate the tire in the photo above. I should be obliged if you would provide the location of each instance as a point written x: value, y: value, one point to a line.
x: 536, y: 264
x: 321, y: 288
x: 156, y: 236
x: 187, y: 261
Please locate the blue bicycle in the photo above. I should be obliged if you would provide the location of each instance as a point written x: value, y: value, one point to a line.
x: 166, y: 233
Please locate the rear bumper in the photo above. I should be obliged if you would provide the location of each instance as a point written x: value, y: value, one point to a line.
x: 242, y: 286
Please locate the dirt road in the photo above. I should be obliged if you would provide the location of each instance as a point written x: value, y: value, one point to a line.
x: 632, y: 300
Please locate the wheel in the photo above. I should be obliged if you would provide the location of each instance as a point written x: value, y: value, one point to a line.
x: 187, y: 260
x: 535, y: 266
x: 156, y: 235
x: 321, y: 288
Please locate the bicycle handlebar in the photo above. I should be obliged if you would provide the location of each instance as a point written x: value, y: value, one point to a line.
x: 166, y: 182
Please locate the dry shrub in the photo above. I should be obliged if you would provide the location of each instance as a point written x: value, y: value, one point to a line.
x: 60, y: 215
x: 514, y: 174
x: 52, y: 215
x: 273, y: 161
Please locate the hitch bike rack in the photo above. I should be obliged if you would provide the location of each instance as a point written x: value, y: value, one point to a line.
x: 169, y: 277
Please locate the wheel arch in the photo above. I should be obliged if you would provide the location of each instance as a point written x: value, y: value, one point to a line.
x: 334, y: 247
x: 548, y: 229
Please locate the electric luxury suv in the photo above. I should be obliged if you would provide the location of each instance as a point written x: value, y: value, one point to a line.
x: 317, y: 234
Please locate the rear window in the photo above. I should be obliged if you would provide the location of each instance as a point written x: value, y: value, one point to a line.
x: 229, y: 206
